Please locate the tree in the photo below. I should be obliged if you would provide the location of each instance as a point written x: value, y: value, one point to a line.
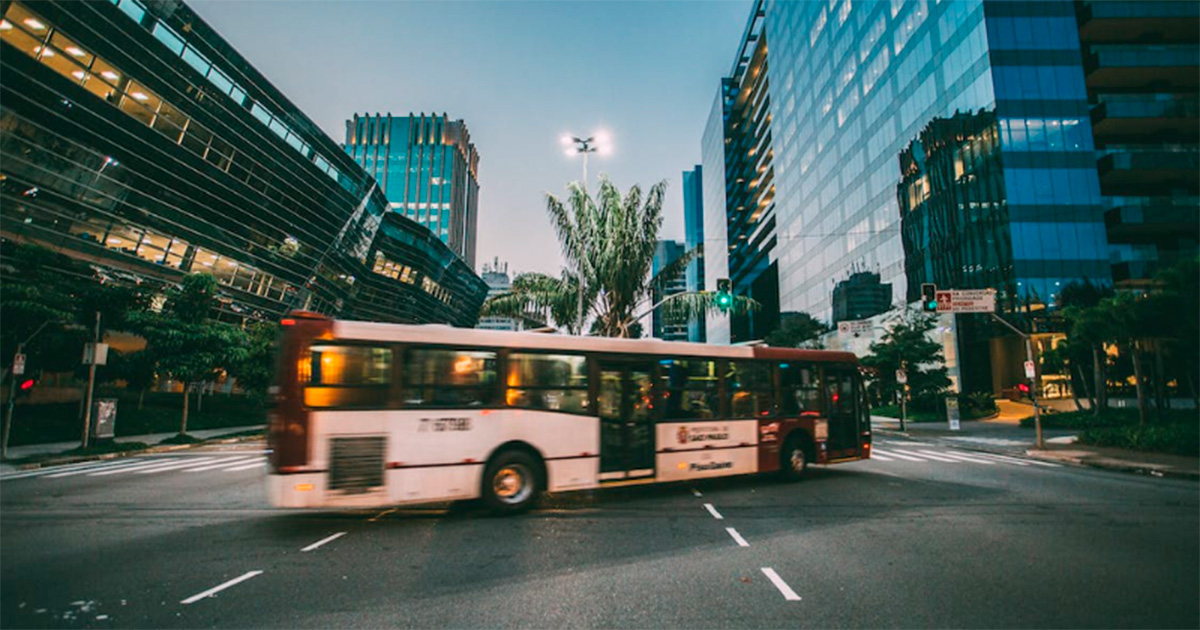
x: 1087, y: 332
x: 137, y: 369
x: 796, y: 330
x: 608, y: 243
x: 188, y: 347
x: 256, y: 367
x: 907, y: 346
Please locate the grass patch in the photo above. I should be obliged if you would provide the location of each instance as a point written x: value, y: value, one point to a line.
x: 912, y: 415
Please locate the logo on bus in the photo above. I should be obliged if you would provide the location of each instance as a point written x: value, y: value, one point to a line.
x: 702, y: 466
x: 702, y: 434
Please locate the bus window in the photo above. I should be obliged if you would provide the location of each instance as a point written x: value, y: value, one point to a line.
x: 449, y: 378
x: 691, y: 389
x: 557, y: 382
x: 800, y: 390
x: 345, y: 376
x: 751, y: 389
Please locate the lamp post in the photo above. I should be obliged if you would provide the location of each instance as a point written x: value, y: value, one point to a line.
x: 599, y: 142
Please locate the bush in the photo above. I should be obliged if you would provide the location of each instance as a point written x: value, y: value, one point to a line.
x: 1176, y: 439
x: 1085, y: 419
x: 979, y: 405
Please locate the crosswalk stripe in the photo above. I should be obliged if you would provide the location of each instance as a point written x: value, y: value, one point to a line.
x: 191, y: 461
x: 228, y: 462
x: 94, y: 467
x: 965, y: 458
x: 1026, y: 461
x: 934, y: 456
x: 247, y: 466
x: 52, y: 469
x: 155, y: 464
x: 1002, y: 458
x: 882, y: 458
x: 893, y: 454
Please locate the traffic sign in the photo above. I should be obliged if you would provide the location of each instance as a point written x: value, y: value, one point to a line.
x: 19, y: 364
x: 901, y: 377
x: 952, y: 414
x: 855, y: 327
x: 1029, y: 373
x: 967, y: 301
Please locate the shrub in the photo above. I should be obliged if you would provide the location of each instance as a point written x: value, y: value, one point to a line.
x: 1177, y: 439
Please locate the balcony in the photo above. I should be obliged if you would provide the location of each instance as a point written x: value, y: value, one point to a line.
x: 1118, y: 22
x: 1146, y: 118
x: 1149, y: 173
x: 1143, y: 68
x: 1150, y: 223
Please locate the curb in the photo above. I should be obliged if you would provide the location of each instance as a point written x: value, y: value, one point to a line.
x: 158, y: 448
x: 1103, y: 463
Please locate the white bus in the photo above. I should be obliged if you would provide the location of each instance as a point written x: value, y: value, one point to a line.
x: 371, y: 414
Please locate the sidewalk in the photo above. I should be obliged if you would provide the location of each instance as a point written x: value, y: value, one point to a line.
x: 1005, y: 435
x: 45, y: 454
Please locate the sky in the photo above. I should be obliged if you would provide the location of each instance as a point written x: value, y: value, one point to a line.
x: 520, y: 74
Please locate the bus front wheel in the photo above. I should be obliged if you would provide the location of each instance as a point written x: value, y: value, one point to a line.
x: 510, y: 482
x: 793, y: 458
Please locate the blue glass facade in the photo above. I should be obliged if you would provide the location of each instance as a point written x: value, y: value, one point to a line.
x: 693, y: 228
x: 427, y: 168
x: 716, y: 248
x: 665, y: 253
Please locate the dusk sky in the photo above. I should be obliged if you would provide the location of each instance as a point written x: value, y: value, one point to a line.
x: 520, y: 74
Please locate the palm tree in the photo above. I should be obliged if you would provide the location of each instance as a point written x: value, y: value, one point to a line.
x: 608, y: 243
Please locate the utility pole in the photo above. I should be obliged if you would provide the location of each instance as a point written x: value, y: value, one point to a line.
x: 1033, y: 386
x: 87, y: 413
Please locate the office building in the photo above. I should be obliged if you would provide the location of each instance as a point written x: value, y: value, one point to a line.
x: 495, y: 275
x: 665, y: 253
x: 693, y: 228
x: 428, y: 170
x: 138, y: 140
x: 860, y: 296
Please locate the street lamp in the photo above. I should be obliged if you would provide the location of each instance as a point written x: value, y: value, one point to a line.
x: 599, y: 142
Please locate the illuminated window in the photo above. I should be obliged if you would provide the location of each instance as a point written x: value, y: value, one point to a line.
x: 554, y: 382
x: 449, y: 378
x: 345, y: 376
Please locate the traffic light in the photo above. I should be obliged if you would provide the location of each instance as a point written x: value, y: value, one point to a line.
x: 724, y: 294
x: 25, y: 386
x: 929, y: 297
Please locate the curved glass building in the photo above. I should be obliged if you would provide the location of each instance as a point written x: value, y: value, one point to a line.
x: 136, y: 139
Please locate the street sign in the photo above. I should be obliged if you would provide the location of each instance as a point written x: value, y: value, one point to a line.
x: 1029, y: 372
x: 901, y: 377
x: 19, y: 364
x: 95, y: 354
x: 967, y: 301
x: 854, y: 328
x: 952, y: 412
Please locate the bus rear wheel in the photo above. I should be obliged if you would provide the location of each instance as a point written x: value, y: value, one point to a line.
x: 793, y: 458
x: 511, y: 482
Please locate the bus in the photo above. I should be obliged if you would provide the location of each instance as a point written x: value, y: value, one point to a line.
x: 376, y: 414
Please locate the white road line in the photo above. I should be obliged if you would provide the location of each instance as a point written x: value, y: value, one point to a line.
x: 712, y: 510
x: 220, y: 587
x: 891, y: 454
x: 1006, y: 460
x: 247, y: 466
x: 323, y: 541
x: 62, y: 470
x: 696, y: 493
x: 787, y: 591
x: 1039, y: 463
x: 935, y: 457
x: 737, y: 537
x: 123, y: 464
x: 876, y: 455
x: 228, y: 462
x: 173, y: 466
x: 133, y: 466
x: 964, y: 458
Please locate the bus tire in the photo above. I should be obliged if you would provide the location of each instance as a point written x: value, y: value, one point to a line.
x: 794, y: 457
x: 511, y: 482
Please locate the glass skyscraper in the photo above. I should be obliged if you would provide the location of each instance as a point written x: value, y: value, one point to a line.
x: 693, y: 228
x: 428, y: 170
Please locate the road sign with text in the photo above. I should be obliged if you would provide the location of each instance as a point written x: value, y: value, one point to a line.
x: 967, y: 301
x: 855, y: 327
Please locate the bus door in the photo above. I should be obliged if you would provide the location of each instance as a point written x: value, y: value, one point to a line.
x: 625, y: 403
x: 841, y: 402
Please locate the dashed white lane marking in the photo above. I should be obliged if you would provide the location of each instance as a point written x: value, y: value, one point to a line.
x: 787, y: 591
x: 229, y: 462
x: 935, y: 457
x: 712, y: 510
x: 876, y: 455
x: 964, y: 458
x: 696, y: 493
x: 173, y: 466
x: 892, y: 454
x: 247, y: 466
x: 737, y: 537
x: 220, y: 587
x: 323, y: 541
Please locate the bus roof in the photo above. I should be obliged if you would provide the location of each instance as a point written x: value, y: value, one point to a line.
x: 439, y: 334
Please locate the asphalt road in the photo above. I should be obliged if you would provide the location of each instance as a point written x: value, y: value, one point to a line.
x: 934, y: 536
